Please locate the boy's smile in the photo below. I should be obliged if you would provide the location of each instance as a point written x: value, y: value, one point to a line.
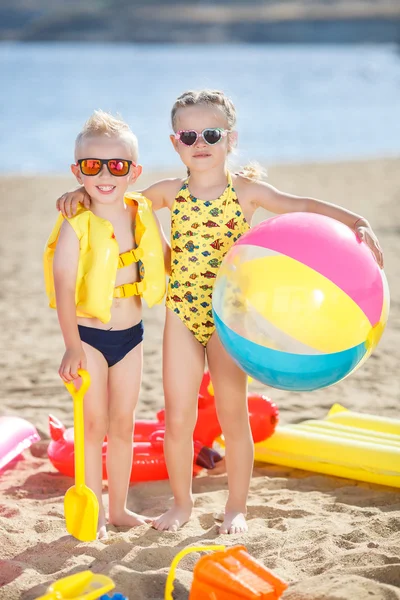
x: 106, y: 189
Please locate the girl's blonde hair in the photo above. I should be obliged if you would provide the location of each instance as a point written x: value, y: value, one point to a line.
x: 102, y: 123
x: 208, y: 97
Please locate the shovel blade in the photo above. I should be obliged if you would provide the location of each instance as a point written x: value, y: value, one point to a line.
x: 85, y: 585
x: 81, y: 509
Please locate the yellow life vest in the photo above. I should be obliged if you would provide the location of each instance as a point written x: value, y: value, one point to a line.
x: 99, y: 260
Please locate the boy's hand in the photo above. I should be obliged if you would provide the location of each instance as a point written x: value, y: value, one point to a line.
x: 67, y: 204
x: 366, y: 234
x: 73, y: 359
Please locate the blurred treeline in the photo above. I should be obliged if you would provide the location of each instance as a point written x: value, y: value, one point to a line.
x: 201, y: 21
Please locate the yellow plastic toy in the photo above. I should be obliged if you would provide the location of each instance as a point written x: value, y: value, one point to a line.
x: 345, y: 444
x: 227, y: 575
x: 80, y: 586
x: 99, y: 260
x: 81, y: 507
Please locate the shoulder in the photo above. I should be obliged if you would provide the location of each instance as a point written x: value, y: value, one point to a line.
x: 67, y: 238
x: 251, y: 190
x: 79, y: 222
x: 245, y: 188
x: 163, y: 192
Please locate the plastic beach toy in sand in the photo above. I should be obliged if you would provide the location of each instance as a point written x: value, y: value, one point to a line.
x: 81, y: 585
x: 16, y: 435
x: 81, y: 506
x: 228, y: 574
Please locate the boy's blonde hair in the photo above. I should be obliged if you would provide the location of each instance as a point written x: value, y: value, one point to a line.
x: 102, y: 123
x: 209, y: 97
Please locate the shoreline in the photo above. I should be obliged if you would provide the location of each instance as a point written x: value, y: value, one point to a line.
x: 155, y: 173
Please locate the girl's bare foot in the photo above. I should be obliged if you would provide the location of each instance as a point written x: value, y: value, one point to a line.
x: 128, y: 518
x: 174, y: 518
x: 234, y: 522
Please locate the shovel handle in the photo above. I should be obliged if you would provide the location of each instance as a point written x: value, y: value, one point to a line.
x: 84, y: 375
x: 79, y: 444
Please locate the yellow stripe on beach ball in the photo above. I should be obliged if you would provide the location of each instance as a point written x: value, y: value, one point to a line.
x: 302, y: 303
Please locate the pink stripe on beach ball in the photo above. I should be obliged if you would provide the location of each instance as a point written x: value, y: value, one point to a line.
x: 330, y: 248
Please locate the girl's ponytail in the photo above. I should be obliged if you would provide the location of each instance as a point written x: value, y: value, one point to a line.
x: 253, y: 171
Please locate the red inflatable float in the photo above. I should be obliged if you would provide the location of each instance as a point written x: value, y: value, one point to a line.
x: 263, y: 415
x: 148, y: 456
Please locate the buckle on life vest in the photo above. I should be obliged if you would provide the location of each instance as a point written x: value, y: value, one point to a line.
x: 129, y: 289
x: 127, y: 258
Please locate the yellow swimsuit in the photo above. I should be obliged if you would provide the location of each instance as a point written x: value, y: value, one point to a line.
x: 202, y: 232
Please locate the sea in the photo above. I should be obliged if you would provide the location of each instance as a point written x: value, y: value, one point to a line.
x: 295, y: 103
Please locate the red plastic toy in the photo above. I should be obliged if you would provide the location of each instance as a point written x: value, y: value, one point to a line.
x: 263, y: 414
x: 148, y: 456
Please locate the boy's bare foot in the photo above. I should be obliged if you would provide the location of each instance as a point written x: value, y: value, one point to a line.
x: 234, y: 522
x: 101, y: 528
x: 128, y: 518
x: 174, y: 518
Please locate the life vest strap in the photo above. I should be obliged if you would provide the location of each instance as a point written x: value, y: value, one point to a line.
x: 129, y: 257
x: 129, y: 289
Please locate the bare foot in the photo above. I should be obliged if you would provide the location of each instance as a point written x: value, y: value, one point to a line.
x: 101, y: 528
x: 234, y: 522
x: 128, y: 518
x: 174, y: 518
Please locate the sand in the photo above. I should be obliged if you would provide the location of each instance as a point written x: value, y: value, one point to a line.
x: 330, y: 538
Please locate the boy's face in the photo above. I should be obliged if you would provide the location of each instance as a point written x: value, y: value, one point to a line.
x: 105, y: 188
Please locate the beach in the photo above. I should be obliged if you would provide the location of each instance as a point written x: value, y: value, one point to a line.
x: 329, y: 538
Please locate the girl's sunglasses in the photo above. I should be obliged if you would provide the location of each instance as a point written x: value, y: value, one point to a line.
x: 116, y: 166
x: 211, y: 136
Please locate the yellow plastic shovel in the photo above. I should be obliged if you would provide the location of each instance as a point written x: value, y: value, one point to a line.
x: 80, y: 586
x: 81, y: 507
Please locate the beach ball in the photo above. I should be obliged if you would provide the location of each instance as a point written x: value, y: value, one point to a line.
x: 299, y: 302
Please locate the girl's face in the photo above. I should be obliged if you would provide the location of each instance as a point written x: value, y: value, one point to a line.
x: 202, y: 156
x: 105, y: 188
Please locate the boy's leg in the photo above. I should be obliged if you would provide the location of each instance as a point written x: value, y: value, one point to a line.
x: 183, y: 367
x: 124, y: 381
x: 230, y: 389
x: 95, y: 407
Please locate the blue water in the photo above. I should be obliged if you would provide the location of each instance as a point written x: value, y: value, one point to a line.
x: 294, y: 103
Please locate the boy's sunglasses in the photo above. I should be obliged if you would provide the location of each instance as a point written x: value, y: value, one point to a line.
x: 211, y: 136
x: 116, y: 166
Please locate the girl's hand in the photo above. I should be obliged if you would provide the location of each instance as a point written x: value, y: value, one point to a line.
x: 73, y: 359
x: 366, y: 234
x: 67, y: 204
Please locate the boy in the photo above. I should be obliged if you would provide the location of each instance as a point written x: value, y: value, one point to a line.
x: 92, y: 281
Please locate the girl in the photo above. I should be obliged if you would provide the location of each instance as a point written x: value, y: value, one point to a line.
x: 210, y: 210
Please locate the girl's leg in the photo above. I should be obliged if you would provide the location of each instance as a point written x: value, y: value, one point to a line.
x: 230, y: 390
x: 183, y: 368
x: 95, y: 408
x: 124, y: 381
